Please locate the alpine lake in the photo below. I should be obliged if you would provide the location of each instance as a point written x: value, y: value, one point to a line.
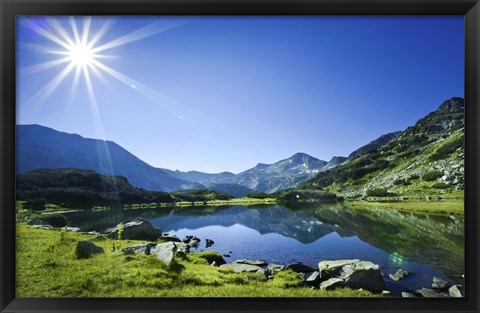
x: 425, y: 244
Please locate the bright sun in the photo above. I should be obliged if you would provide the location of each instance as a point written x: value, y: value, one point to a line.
x: 81, y: 55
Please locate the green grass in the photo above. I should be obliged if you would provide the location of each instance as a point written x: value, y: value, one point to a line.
x: 434, y: 206
x: 47, y: 267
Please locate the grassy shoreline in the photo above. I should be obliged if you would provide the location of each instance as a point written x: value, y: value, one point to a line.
x: 47, y: 267
x: 455, y: 207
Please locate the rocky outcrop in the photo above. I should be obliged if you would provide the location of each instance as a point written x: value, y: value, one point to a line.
x: 300, y: 268
x: 355, y: 273
x: 139, y: 229
x: 86, y: 249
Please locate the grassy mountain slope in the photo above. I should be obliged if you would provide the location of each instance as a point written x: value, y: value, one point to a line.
x: 424, y: 160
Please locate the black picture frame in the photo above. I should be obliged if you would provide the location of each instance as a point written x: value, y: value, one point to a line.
x: 470, y: 9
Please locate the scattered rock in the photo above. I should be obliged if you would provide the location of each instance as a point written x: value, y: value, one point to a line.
x: 300, y: 268
x: 252, y: 262
x: 408, y: 295
x: 192, y: 241
x: 262, y: 271
x: 38, y: 222
x: 240, y: 268
x: 356, y: 274
x: 400, y: 274
x: 166, y: 237
x: 209, y: 243
x: 214, y: 264
x: 226, y: 255
x: 386, y: 293
x: 456, y: 291
x: 275, y: 268
x: 56, y: 220
x: 313, y: 279
x: 46, y: 227
x: 440, y: 284
x: 332, y: 283
x: 430, y: 293
x: 86, y: 249
x: 137, y: 229
x: 73, y: 229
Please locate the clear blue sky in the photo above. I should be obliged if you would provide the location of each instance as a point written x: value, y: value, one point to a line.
x: 225, y: 93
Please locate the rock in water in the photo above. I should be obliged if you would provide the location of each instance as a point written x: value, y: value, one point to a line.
x: 209, y: 243
x: 430, y: 293
x: 86, y: 249
x: 251, y: 262
x: 456, y: 291
x: 332, y: 283
x: 400, y: 274
x: 440, y: 284
x: 355, y: 273
x: 240, y: 268
x: 139, y: 229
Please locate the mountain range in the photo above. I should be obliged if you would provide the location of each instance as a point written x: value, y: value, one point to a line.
x: 368, y: 167
x: 42, y: 147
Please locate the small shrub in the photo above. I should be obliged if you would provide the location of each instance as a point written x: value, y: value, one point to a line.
x: 432, y: 175
x: 413, y: 177
x: 379, y: 192
x: 440, y: 185
x: 63, y: 233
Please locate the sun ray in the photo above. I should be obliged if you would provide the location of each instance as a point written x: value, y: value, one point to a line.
x: 73, y: 25
x: 45, y: 33
x: 29, y: 70
x: 61, y: 30
x: 43, y: 93
x: 141, y: 33
x: 100, y: 33
x: 86, y: 30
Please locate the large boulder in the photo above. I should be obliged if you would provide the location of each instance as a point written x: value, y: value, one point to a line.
x: 139, y: 229
x: 143, y: 248
x: 168, y: 250
x: 332, y: 283
x: 355, y: 273
x: 300, y: 268
x: 86, y: 249
x: 240, y: 268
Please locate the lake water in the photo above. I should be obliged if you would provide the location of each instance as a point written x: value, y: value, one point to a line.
x: 427, y: 245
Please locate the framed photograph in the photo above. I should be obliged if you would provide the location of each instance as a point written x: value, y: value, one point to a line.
x: 239, y: 156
